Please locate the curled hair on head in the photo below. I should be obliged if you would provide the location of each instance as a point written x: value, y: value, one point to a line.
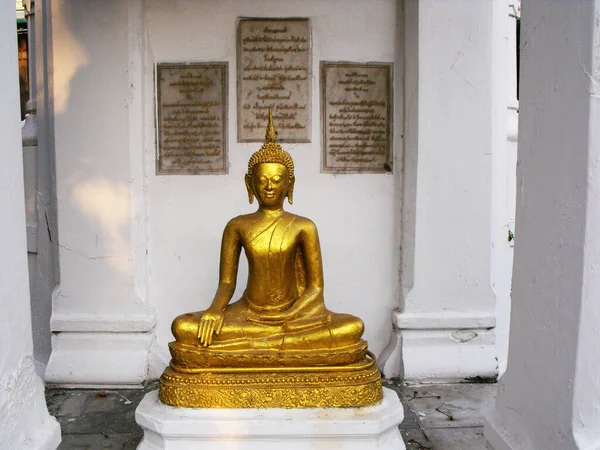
x: 271, y: 152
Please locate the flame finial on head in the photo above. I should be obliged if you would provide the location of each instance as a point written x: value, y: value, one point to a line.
x: 271, y: 134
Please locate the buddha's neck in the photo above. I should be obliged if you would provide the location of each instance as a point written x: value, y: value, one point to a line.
x: 270, y: 212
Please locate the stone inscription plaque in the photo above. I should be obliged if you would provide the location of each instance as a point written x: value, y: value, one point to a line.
x: 192, y: 118
x: 274, y: 70
x: 356, y: 108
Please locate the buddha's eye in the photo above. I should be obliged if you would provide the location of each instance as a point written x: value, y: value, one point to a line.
x: 276, y: 179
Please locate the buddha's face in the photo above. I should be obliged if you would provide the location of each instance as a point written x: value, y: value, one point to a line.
x: 270, y: 184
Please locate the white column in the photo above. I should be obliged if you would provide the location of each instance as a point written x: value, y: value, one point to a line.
x: 548, y: 399
x: 444, y: 328
x: 24, y: 422
x: 507, y: 182
x: 102, y: 324
x: 39, y: 186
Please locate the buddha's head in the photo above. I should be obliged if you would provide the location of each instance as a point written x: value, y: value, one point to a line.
x: 270, y: 176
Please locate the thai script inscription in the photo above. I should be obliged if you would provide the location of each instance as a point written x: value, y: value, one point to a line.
x: 274, y: 69
x: 192, y: 118
x: 356, y: 107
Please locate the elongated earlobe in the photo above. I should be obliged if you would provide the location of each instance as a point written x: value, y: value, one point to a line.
x: 290, y: 194
x: 248, y: 182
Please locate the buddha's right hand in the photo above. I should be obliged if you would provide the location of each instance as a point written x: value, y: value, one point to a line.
x: 210, y: 322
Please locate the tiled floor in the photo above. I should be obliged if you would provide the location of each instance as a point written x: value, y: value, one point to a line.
x: 437, y: 417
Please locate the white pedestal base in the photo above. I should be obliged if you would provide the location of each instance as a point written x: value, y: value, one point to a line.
x: 169, y: 428
x: 441, y: 347
x: 99, y: 359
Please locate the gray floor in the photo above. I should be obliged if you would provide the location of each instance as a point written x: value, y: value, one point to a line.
x: 437, y: 417
x: 445, y: 416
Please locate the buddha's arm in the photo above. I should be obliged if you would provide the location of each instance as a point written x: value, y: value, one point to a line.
x: 212, y: 320
x: 314, y: 267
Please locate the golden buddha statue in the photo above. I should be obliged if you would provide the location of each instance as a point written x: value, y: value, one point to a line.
x: 278, y: 345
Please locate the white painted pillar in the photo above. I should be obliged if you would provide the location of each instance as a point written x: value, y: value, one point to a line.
x: 505, y: 171
x: 24, y: 421
x: 39, y: 185
x: 444, y: 328
x: 101, y: 321
x: 550, y: 395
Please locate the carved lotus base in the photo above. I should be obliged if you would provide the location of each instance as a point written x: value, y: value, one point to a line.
x: 193, y: 359
x: 351, y: 385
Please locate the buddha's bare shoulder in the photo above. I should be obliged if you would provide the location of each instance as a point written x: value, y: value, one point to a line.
x: 239, y: 221
x: 236, y: 225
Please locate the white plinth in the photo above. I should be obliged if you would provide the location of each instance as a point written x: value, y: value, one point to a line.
x: 372, y: 427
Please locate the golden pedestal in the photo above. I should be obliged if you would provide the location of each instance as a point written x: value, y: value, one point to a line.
x: 352, y: 385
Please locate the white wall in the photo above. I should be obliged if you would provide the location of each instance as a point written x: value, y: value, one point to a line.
x: 24, y: 421
x: 355, y: 214
x: 137, y: 249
